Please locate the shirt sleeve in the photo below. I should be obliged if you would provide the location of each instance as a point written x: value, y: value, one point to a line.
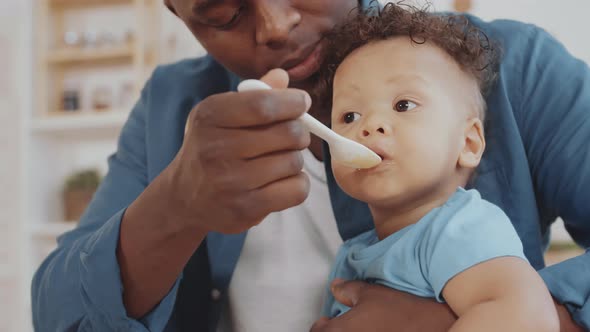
x: 554, y: 120
x: 78, y: 286
x: 467, y: 231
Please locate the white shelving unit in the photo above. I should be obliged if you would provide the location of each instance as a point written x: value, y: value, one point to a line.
x: 108, y: 121
x: 42, y: 145
x: 51, y: 230
x: 62, y: 142
x: 58, y: 142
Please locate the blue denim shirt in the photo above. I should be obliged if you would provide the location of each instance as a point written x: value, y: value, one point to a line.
x: 536, y: 168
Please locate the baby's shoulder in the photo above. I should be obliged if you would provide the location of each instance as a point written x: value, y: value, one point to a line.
x: 465, y: 213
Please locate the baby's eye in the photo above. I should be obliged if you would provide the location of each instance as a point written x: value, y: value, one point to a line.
x: 404, y: 106
x: 351, y: 117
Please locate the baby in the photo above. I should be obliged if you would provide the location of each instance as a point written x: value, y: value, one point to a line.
x: 409, y: 85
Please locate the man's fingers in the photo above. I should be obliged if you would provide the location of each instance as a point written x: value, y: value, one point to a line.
x: 282, y: 194
x: 270, y: 168
x: 254, y: 142
x: 319, y: 324
x: 276, y: 78
x: 251, y: 108
x: 347, y: 292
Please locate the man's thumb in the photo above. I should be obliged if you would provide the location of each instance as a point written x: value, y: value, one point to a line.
x: 276, y: 78
x: 347, y: 292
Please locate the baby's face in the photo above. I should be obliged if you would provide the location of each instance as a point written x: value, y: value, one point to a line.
x: 411, y: 105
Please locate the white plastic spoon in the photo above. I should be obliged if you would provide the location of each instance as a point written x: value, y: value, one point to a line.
x: 343, y: 150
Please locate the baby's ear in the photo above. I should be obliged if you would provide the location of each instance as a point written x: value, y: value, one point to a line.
x: 474, y: 144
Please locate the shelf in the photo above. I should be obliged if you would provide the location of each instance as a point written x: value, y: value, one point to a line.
x: 87, y: 3
x: 77, y: 56
x: 63, y: 122
x: 51, y: 229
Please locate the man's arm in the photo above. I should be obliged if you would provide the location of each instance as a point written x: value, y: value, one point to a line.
x: 555, y: 124
x: 239, y: 162
x: 502, y: 294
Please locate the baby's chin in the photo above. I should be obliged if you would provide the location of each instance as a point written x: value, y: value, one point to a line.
x: 375, y: 196
x: 368, y: 188
x: 388, y: 201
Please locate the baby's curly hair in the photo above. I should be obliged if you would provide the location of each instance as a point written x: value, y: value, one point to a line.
x: 470, y: 47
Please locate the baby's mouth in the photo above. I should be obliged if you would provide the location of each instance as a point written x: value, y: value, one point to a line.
x: 381, y: 151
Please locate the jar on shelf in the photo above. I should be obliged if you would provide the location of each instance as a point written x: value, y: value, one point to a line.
x: 126, y: 95
x: 102, y: 99
x: 128, y: 37
x: 72, y: 39
x: 91, y: 39
x: 70, y: 99
x: 107, y: 39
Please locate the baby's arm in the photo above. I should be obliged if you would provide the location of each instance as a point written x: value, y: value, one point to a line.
x: 502, y: 294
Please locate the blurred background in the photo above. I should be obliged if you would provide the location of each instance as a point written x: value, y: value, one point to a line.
x: 70, y: 71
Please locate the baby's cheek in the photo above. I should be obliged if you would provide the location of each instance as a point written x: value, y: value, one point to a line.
x: 338, y: 129
x: 343, y: 176
x: 342, y: 128
x: 337, y: 170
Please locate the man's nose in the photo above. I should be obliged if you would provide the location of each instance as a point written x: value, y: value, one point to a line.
x: 275, y: 19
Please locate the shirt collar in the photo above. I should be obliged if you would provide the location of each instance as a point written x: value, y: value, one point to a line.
x: 366, y: 3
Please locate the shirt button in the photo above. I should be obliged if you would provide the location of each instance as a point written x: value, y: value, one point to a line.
x: 215, y: 294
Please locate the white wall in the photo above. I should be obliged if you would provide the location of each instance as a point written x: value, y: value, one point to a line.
x: 177, y: 41
x: 567, y: 20
x: 15, y: 37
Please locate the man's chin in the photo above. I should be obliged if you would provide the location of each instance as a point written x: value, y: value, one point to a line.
x: 308, y: 84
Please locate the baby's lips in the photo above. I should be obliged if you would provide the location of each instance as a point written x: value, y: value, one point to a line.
x: 380, y: 150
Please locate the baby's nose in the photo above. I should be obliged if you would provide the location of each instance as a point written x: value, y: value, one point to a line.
x: 374, y: 130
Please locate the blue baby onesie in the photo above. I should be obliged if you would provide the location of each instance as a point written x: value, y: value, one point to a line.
x: 421, y: 258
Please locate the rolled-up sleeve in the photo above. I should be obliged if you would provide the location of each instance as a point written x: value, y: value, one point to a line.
x: 78, y: 286
x: 555, y: 124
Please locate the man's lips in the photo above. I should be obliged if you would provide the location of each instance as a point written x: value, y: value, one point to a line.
x: 306, y: 65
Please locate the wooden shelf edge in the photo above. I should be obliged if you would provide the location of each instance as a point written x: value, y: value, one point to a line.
x: 86, y: 3
x: 76, y: 56
x: 51, y: 229
x: 80, y: 120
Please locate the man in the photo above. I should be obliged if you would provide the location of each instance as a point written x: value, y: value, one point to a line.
x: 163, y: 246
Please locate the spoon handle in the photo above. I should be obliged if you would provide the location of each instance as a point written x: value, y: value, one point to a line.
x: 318, y: 128
x: 312, y: 124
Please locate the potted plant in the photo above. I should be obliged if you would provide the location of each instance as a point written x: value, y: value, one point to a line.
x: 78, y: 191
